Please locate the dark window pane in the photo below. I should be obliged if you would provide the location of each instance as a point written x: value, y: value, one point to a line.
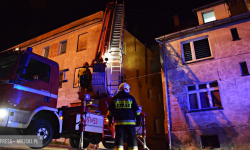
x: 216, y: 98
x: 202, y: 86
x: 37, y: 70
x: 46, y: 52
x: 191, y: 88
x: 202, y: 49
x: 63, y: 47
x: 60, y: 79
x: 204, y: 100
x: 155, y: 126
x: 193, y: 101
x: 213, y: 84
x: 244, y: 69
x: 187, y: 52
x: 235, y: 34
x: 210, y: 141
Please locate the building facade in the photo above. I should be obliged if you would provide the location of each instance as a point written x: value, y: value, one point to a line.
x: 141, y: 70
x: 205, y: 75
x: 74, y: 44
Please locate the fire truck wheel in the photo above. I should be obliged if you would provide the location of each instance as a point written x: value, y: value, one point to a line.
x: 43, y: 129
x: 74, y: 143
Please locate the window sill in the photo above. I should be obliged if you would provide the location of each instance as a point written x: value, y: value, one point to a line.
x: 237, y: 39
x: 245, y: 75
x: 81, y: 50
x: 206, y: 109
x: 61, y: 53
x: 207, y: 58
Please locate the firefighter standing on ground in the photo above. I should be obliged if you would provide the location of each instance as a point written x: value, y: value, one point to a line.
x: 125, y: 110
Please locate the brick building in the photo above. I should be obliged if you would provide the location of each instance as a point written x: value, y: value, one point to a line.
x: 206, y: 82
x: 75, y: 43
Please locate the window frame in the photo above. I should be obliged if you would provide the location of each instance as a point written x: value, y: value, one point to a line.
x: 198, y: 91
x: 157, y: 120
x: 232, y: 30
x: 78, y: 39
x: 39, y: 79
x: 207, y: 11
x: 60, y: 47
x: 44, y: 50
x: 191, y: 41
x: 242, y: 74
x: 150, y: 94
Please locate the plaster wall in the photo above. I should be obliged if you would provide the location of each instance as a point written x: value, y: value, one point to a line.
x: 231, y: 123
x: 220, y: 11
x: 72, y: 59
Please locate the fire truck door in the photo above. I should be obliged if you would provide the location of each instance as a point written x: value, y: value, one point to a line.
x: 36, y: 87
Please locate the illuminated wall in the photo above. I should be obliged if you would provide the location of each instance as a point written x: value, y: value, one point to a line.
x: 229, y: 120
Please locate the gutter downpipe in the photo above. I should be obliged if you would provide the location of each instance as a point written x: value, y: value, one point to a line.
x: 167, y: 100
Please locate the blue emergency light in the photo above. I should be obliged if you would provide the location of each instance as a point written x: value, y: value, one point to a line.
x: 29, y: 49
x: 87, y: 97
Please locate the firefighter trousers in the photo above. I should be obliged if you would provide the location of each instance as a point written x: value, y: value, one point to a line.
x: 128, y: 132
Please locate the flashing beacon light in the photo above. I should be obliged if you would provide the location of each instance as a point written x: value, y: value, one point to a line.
x: 29, y: 49
x: 87, y: 96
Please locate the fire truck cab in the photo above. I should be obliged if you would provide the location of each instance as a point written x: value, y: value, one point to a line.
x: 28, y: 95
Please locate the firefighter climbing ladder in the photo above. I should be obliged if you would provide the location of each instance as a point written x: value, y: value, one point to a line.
x: 116, y: 48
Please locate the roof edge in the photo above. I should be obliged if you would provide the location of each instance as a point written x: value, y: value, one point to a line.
x: 203, y: 27
x: 98, y: 15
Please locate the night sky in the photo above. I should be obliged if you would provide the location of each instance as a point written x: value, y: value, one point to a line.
x: 22, y: 20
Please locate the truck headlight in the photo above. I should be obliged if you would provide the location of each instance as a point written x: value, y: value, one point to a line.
x: 3, y: 113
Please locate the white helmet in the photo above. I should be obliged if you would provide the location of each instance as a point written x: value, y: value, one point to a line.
x: 124, y: 86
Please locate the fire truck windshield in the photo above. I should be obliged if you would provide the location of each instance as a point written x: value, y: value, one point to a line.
x: 7, y: 65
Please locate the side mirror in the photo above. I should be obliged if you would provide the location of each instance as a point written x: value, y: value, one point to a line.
x: 25, y: 60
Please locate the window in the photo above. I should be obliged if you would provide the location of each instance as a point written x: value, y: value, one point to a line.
x: 156, y: 126
x: 139, y: 84
x: 159, y: 97
x: 244, y: 69
x: 204, y: 96
x: 152, y: 82
x: 63, y: 46
x: 235, y: 34
x: 210, y: 141
x: 46, y: 52
x: 208, y: 16
x: 196, y: 49
x: 82, y: 42
x: 124, y: 49
x: 61, y: 78
x: 150, y: 94
x: 37, y: 70
x: 137, y: 74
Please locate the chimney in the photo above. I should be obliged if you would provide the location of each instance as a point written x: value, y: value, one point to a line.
x: 176, y: 21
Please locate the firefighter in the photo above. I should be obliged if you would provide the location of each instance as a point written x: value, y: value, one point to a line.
x: 85, y: 77
x: 125, y: 110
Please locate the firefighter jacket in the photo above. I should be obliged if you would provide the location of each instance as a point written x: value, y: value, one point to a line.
x: 124, y: 109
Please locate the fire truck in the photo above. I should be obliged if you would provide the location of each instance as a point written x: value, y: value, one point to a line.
x: 29, y: 92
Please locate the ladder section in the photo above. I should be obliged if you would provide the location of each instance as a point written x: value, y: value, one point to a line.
x: 116, y: 49
x: 115, y: 77
x: 117, y: 36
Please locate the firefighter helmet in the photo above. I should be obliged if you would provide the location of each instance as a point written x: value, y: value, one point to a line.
x: 86, y: 64
x: 124, y: 86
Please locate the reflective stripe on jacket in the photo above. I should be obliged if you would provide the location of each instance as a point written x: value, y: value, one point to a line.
x: 124, y: 109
